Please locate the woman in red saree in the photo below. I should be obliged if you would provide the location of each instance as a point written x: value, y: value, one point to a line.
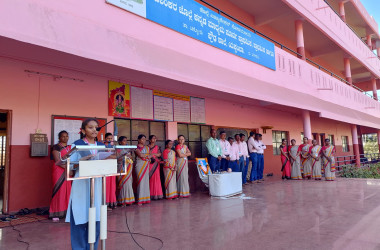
x: 142, y: 171
x: 170, y: 171
x: 61, y: 187
x: 154, y: 170
x: 182, y: 168
x: 285, y: 160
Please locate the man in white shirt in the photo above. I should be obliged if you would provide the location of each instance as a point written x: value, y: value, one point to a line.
x: 249, y: 172
x: 260, y: 159
x: 256, y: 147
x: 246, y: 158
x: 239, y: 146
x: 234, y: 155
x: 226, y: 148
x: 253, y: 146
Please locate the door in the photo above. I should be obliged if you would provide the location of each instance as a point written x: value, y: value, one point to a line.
x: 5, y: 119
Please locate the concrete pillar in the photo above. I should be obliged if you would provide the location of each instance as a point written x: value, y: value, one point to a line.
x: 355, y: 144
x: 307, y: 125
x: 369, y: 41
x: 172, y: 131
x: 378, y: 52
x: 341, y: 11
x: 374, y: 88
x: 300, y: 40
x: 347, y: 70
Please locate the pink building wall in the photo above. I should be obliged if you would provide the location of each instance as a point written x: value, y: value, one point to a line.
x: 145, y: 46
x: 30, y: 178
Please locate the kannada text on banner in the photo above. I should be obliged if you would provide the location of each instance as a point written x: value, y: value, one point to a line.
x: 197, y: 21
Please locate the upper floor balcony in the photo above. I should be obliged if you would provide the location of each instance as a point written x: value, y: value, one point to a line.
x: 146, y: 53
x: 367, y: 17
x: 323, y: 17
x: 327, y: 38
x: 357, y: 17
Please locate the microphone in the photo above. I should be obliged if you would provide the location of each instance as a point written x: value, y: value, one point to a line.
x: 100, y: 128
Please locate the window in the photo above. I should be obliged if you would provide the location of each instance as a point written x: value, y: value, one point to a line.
x: 345, y: 147
x: 331, y: 138
x: 277, y: 137
x: 196, y: 137
x: 302, y: 137
x: 133, y: 128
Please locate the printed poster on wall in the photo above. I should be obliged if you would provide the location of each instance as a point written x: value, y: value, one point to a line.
x: 198, y: 112
x: 118, y: 99
x: 181, y: 105
x: 181, y: 111
x: 135, y: 6
x: 163, y: 108
x: 72, y: 127
x: 142, y: 103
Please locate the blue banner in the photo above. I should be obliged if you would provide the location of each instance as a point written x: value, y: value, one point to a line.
x: 195, y: 20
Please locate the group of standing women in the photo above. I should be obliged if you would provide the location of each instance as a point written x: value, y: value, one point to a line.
x: 307, y: 160
x: 142, y: 181
x: 175, y: 168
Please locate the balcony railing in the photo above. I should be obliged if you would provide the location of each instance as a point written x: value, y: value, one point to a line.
x: 285, y: 47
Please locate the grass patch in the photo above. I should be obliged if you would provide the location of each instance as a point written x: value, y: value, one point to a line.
x: 367, y: 172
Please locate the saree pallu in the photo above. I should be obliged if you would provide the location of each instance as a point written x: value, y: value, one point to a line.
x: 285, y: 164
x: 61, y: 190
x: 170, y: 176
x: 154, y: 176
x: 296, y: 165
x: 125, y: 194
x: 183, y: 175
x: 329, y: 167
x: 305, y: 162
x: 316, y: 165
x: 142, y: 178
x: 111, y: 191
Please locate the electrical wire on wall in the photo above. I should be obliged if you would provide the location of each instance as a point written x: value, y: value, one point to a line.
x: 38, y: 104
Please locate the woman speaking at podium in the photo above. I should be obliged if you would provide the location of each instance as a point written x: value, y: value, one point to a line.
x: 77, y: 212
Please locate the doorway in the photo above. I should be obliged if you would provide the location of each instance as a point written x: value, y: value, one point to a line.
x: 5, y: 119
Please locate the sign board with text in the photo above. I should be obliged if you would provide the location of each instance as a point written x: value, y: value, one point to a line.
x: 199, y: 22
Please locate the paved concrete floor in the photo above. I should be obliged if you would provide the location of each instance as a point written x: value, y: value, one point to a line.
x: 344, y: 214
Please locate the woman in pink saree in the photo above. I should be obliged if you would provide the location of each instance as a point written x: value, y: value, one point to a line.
x: 154, y: 170
x: 285, y: 160
x: 182, y: 168
x: 170, y: 171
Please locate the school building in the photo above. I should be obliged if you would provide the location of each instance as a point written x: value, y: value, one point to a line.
x: 284, y: 68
